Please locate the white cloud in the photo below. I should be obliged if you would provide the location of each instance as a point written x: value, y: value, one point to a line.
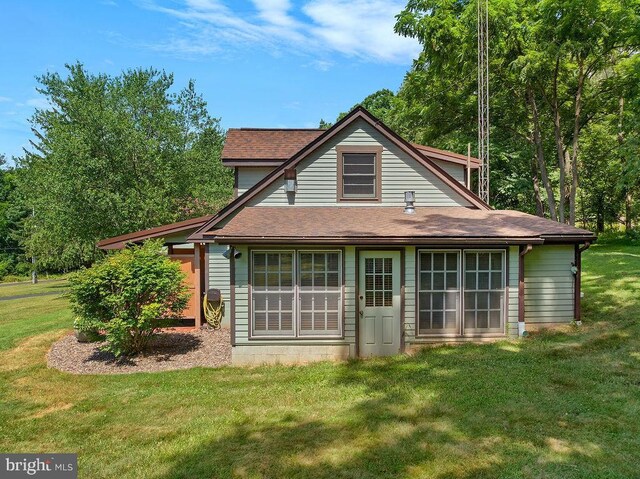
x: 4, y: 99
x: 354, y: 28
x: 38, y: 102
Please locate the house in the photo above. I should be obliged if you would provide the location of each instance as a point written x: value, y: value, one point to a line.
x: 352, y: 242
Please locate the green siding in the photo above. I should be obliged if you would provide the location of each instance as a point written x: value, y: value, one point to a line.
x: 218, y: 276
x: 250, y: 175
x: 549, y: 284
x: 454, y: 169
x: 317, y: 176
x: 512, y: 299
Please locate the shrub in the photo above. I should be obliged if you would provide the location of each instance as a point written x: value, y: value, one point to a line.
x: 87, y: 331
x: 128, y: 295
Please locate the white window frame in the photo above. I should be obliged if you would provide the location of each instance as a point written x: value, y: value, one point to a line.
x: 503, y: 289
x: 297, y: 334
x: 460, y: 291
x: 329, y: 334
x: 278, y: 334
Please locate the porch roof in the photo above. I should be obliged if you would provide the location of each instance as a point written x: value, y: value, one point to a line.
x: 370, y: 225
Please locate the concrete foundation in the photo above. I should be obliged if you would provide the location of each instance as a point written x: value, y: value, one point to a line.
x: 243, y: 355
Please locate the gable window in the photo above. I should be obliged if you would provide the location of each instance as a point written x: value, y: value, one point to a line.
x: 296, y: 295
x: 359, y: 173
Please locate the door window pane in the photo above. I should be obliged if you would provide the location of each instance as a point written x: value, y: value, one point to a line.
x: 378, y: 281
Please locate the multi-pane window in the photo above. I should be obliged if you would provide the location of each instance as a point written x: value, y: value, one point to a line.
x: 315, y: 286
x: 359, y: 175
x: 484, y: 290
x: 460, y: 292
x: 273, y: 293
x: 438, y: 292
x: 378, y: 277
x: 320, y: 292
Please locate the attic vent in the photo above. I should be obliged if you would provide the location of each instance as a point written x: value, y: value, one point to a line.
x: 290, y: 185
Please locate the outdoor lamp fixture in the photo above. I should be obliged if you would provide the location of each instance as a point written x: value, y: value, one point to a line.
x: 409, y: 200
x: 231, y: 251
x: 290, y: 185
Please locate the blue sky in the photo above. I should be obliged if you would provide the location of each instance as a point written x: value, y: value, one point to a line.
x: 259, y: 63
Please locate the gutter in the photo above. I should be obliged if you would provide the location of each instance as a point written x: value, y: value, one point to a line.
x: 524, y: 250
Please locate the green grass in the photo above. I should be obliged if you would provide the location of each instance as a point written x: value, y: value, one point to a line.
x: 58, y: 285
x: 559, y: 404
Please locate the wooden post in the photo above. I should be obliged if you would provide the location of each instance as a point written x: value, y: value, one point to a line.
x: 577, y: 313
x: 197, y: 263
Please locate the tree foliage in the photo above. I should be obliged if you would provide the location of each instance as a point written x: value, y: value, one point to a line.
x: 116, y: 154
x: 557, y: 68
x: 128, y: 295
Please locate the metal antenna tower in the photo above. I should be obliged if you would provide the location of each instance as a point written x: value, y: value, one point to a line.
x: 483, y: 99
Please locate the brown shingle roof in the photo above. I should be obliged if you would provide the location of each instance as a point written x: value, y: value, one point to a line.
x: 118, y: 242
x: 257, y: 144
x: 355, y: 224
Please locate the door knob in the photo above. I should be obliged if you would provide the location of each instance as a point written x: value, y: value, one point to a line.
x: 361, y: 312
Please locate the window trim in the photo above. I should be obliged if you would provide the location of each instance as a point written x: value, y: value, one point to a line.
x: 504, y: 289
x: 460, y: 333
x: 377, y: 151
x: 251, y: 291
x: 296, y: 285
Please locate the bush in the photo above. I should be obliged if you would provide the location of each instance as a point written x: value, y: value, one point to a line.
x: 128, y: 295
x: 87, y: 331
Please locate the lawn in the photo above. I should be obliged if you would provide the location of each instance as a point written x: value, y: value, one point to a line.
x: 560, y: 405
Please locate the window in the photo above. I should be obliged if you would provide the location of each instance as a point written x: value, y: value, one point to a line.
x: 297, y: 301
x: 320, y: 293
x: 273, y: 293
x: 484, y: 290
x: 439, y: 292
x: 378, y: 280
x: 460, y: 292
x: 359, y: 173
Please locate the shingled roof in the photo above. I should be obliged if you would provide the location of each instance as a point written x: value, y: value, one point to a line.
x: 375, y: 224
x: 268, y: 147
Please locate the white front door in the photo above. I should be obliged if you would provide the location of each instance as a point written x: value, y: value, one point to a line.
x: 379, y: 303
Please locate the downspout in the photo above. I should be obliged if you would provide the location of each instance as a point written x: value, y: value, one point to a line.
x: 577, y: 314
x: 524, y: 249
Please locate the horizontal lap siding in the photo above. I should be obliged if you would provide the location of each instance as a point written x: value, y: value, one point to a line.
x: 409, y: 294
x: 512, y: 300
x: 454, y: 169
x: 317, y: 176
x: 250, y: 175
x: 218, y: 277
x: 549, y: 284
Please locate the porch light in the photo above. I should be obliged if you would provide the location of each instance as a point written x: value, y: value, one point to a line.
x: 409, y: 200
x: 290, y: 185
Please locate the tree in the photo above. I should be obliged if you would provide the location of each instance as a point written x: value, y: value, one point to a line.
x: 128, y: 295
x: 553, y: 68
x: 114, y: 155
x: 11, y: 216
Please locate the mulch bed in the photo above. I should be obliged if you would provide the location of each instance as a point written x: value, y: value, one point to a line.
x: 171, y: 349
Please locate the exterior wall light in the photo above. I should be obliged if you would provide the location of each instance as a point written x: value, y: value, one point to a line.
x: 290, y: 184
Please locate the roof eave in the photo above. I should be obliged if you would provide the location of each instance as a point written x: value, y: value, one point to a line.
x: 362, y: 240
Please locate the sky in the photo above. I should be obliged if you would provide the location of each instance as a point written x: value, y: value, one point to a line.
x: 258, y: 63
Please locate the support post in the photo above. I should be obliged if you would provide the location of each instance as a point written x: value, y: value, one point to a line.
x: 524, y: 249
x: 577, y: 313
x: 469, y: 166
x: 197, y: 260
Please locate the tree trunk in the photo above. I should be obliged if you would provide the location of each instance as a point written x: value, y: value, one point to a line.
x: 628, y: 224
x: 575, y: 144
x: 539, y: 154
x: 560, y: 150
x: 536, y: 187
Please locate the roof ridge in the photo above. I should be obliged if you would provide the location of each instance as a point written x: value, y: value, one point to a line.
x: 249, y: 128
